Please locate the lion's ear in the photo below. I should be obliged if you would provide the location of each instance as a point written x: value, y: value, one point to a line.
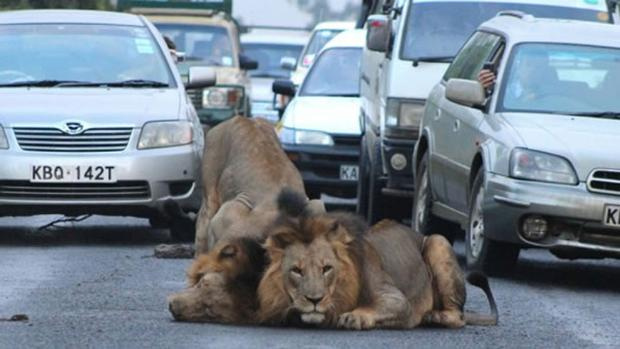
x: 314, y: 207
x: 337, y: 232
x: 279, y: 240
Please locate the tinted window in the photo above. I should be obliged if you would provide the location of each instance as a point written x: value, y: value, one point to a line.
x: 86, y: 53
x: 438, y: 29
x: 335, y: 73
x: 269, y: 56
x: 553, y: 78
x: 209, y: 44
x: 472, y: 57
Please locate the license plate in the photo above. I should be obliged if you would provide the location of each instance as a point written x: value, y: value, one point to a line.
x: 612, y: 216
x: 349, y: 173
x: 72, y: 174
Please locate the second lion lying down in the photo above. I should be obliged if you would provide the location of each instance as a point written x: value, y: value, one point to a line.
x: 329, y: 270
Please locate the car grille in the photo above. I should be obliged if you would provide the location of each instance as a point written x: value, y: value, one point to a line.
x: 605, y: 181
x: 196, y: 97
x: 345, y: 140
x: 74, y: 191
x: 55, y: 140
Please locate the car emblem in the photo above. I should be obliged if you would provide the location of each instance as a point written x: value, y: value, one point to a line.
x: 73, y: 128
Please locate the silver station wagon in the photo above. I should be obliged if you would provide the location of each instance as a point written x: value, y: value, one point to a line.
x: 95, y: 119
x: 533, y: 160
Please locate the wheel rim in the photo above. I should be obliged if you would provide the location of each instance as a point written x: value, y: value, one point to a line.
x: 476, y: 226
x: 420, y: 205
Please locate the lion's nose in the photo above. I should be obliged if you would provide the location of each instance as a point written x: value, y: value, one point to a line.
x: 315, y: 300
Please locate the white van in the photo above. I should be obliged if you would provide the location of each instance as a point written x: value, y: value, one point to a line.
x: 409, y: 46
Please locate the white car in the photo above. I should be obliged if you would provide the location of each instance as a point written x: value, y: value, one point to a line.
x: 320, y: 129
x: 321, y: 35
x: 270, y: 47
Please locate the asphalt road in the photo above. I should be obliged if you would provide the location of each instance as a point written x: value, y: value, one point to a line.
x: 95, y: 284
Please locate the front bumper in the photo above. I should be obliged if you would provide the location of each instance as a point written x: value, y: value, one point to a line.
x: 320, y: 167
x: 264, y: 110
x: 212, y: 117
x: 399, y: 181
x: 574, y: 215
x: 146, y: 180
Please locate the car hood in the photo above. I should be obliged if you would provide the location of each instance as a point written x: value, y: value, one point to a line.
x: 261, y: 89
x: 126, y: 106
x: 335, y: 115
x: 587, y: 142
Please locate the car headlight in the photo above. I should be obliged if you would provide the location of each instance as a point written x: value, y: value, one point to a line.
x: 165, y: 134
x: 4, y: 142
x: 543, y: 167
x: 222, y: 97
x: 305, y: 137
x: 403, y: 114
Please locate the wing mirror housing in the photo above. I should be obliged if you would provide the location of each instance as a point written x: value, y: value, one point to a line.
x: 288, y: 63
x: 378, y: 33
x: 246, y: 63
x: 469, y: 93
x: 200, y: 77
x: 284, y: 87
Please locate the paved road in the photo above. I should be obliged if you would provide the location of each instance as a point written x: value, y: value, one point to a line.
x: 95, y: 284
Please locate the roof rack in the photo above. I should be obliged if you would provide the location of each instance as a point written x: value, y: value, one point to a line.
x: 517, y: 14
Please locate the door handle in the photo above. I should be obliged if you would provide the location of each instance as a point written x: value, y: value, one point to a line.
x: 457, y: 125
x: 437, y: 114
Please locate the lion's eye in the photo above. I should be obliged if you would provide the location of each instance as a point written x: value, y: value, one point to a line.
x: 296, y: 271
x: 327, y: 269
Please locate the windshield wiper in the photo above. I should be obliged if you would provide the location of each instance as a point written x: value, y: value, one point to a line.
x: 436, y: 59
x: 268, y: 75
x: 602, y: 114
x: 126, y: 83
x: 342, y: 95
x: 39, y: 83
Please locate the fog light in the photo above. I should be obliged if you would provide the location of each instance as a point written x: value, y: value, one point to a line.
x: 398, y: 162
x: 535, y: 228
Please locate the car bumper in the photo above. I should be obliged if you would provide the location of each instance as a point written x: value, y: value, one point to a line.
x: 320, y: 167
x: 574, y: 215
x: 399, y: 180
x: 265, y: 111
x: 213, y: 117
x: 146, y: 181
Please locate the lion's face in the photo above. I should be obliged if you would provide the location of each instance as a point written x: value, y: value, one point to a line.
x: 219, y: 282
x: 312, y: 277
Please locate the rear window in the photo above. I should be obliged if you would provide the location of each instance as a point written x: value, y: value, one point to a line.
x: 439, y: 29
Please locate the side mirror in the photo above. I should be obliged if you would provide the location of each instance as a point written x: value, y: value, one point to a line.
x: 288, y: 63
x: 201, y: 77
x: 180, y: 56
x: 465, y: 92
x: 378, y: 33
x: 284, y: 87
x: 246, y: 63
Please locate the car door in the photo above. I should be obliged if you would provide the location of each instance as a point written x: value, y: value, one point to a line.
x: 457, y: 140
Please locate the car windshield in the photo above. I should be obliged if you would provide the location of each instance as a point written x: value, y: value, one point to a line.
x: 211, y: 45
x: 48, y: 55
x: 269, y: 57
x: 562, y: 79
x: 335, y: 73
x: 316, y: 43
x: 437, y: 30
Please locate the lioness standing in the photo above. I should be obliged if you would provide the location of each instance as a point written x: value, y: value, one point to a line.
x: 329, y: 270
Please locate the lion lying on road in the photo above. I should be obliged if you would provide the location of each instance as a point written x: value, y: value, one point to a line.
x: 329, y: 270
x: 244, y: 169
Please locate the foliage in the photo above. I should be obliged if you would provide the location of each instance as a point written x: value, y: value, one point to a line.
x: 321, y: 11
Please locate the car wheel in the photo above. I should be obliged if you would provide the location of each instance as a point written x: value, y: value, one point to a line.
x: 422, y: 218
x: 183, y: 229
x: 492, y: 257
x: 362, y: 183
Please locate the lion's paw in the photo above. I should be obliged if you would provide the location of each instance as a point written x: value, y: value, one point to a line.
x: 357, y: 320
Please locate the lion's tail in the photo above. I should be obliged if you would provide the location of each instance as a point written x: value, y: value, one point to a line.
x: 480, y: 280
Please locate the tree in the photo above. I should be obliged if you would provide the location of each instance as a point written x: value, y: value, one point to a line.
x: 320, y: 10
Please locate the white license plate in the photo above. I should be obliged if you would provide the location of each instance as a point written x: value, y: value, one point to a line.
x: 612, y: 216
x: 349, y: 173
x: 72, y: 174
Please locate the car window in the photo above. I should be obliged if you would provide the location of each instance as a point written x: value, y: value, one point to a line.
x: 437, y: 29
x: 472, y: 56
x: 269, y: 56
x: 316, y: 43
x: 561, y: 78
x: 335, y: 73
x: 79, y: 52
x: 211, y: 45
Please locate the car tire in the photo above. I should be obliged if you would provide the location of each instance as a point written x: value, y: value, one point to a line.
x: 361, y: 207
x: 422, y: 218
x: 182, y: 229
x: 483, y: 254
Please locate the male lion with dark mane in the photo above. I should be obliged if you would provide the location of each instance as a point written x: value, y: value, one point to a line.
x: 244, y: 169
x: 330, y: 270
